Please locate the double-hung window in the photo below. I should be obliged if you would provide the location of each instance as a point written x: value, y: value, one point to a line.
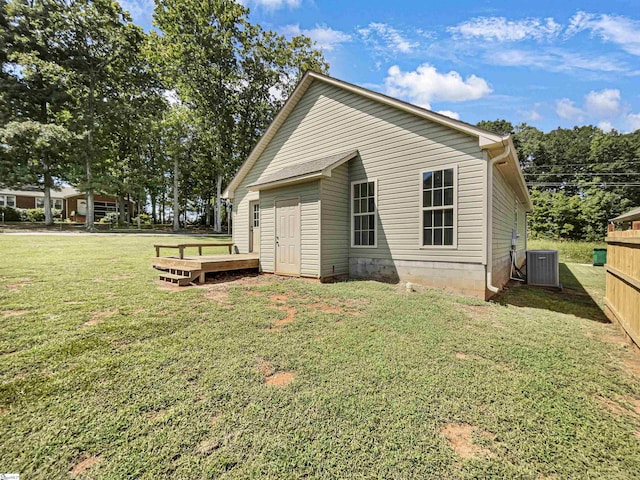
x: 8, y: 201
x: 439, y: 208
x: 363, y: 214
x: 56, y: 203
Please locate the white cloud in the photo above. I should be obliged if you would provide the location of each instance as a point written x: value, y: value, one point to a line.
x: 603, y: 104
x: 554, y: 60
x: 610, y: 28
x: 532, y: 115
x: 499, y: 29
x: 603, y: 108
x: 605, y: 126
x: 449, y: 113
x: 565, y: 108
x: 326, y: 37
x: 392, y: 39
x: 426, y: 85
x: 633, y: 120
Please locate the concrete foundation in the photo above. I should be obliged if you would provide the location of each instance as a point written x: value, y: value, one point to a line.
x: 465, y: 278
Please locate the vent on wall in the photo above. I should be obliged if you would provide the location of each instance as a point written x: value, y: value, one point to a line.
x: 542, y: 268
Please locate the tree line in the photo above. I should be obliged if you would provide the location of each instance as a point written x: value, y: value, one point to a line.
x: 90, y: 99
x: 579, y: 178
x: 166, y: 117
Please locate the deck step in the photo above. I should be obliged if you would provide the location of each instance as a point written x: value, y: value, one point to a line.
x: 175, y: 278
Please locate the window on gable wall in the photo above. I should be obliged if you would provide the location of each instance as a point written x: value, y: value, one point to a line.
x: 363, y: 204
x: 439, y: 208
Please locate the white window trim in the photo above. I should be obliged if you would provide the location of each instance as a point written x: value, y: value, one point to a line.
x: 5, y: 200
x: 375, y: 216
x: 455, y: 210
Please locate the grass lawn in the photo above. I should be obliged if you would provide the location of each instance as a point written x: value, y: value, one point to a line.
x: 569, y: 251
x: 105, y: 374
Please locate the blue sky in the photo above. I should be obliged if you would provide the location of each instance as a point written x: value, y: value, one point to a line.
x: 546, y: 63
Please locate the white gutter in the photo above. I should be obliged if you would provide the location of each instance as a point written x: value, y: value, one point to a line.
x: 490, y: 165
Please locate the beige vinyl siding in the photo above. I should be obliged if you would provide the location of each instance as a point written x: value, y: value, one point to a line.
x: 335, y: 223
x: 505, y: 206
x: 308, y: 194
x: 395, y: 146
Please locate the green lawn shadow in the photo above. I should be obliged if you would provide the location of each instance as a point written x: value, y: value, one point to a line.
x: 572, y: 299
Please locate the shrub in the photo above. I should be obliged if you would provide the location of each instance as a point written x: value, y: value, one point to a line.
x: 10, y: 214
x: 35, y: 215
x: 111, y: 217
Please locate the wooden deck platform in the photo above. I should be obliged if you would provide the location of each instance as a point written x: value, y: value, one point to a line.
x: 191, y: 269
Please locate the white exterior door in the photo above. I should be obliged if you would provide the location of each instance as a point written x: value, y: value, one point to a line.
x: 254, y: 226
x: 288, y: 237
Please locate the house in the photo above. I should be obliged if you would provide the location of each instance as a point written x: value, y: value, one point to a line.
x: 347, y: 182
x: 70, y: 201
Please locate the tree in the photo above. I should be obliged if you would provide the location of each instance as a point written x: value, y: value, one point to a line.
x: 35, y: 153
x: 228, y: 72
x: 33, y: 99
x: 101, y: 45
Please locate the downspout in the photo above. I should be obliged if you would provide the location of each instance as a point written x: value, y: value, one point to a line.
x: 490, y: 165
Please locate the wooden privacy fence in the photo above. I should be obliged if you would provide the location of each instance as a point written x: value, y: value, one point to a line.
x: 622, y: 300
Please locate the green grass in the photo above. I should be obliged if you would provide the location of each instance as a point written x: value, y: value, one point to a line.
x: 569, y: 251
x: 168, y: 384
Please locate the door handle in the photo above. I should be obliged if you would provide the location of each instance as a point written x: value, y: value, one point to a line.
x: 277, y: 241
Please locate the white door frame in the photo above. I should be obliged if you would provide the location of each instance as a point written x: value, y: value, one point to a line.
x: 252, y: 247
x: 299, y: 246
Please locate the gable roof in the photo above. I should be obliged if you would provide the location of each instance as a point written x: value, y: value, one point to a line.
x: 34, y: 191
x: 302, y: 171
x: 486, y: 139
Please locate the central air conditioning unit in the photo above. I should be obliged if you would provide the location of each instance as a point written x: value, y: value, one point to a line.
x: 543, y: 269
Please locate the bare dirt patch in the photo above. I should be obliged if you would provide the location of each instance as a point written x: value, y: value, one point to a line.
x: 280, y: 379
x: 207, y: 446
x: 279, y: 299
x: 4, y: 411
x: 271, y: 377
x: 632, y: 365
x: 239, y: 277
x: 460, y: 438
x: 14, y: 313
x: 99, y: 316
x: 615, y: 338
x: 264, y: 366
x: 218, y: 295
x: 215, y: 419
x: 632, y: 407
x: 290, y: 318
x: 113, y: 260
x: 84, y: 465
x: 467, y: 356
x: 20, y: 284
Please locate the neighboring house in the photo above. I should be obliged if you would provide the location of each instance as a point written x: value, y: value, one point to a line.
x: 69, y: 200
x: 347, y: 182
